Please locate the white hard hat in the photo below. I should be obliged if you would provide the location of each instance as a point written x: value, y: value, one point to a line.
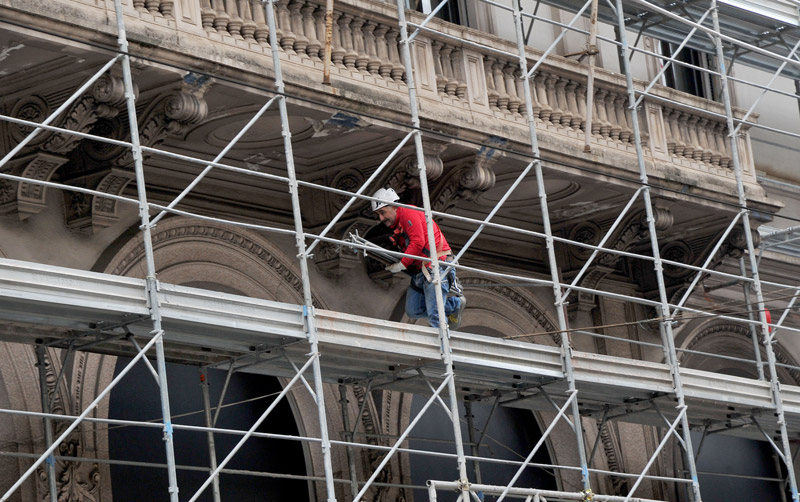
x: 385, y: 195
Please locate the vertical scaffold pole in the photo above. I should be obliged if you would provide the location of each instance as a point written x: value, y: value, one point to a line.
x: 444, y: 330
x: 212, y: 449
x: 666, y: 322
x: 41, y: 361
x: 566, y: 350
x: 767, y: 339
x: 308, y: 305
x: 151, y: 282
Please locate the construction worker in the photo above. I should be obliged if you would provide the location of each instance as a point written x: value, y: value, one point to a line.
x: 411, y: 237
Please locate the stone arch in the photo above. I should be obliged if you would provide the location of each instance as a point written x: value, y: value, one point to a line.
x: 732, y: 339
x: 497, y: 309
x: 216, y: 256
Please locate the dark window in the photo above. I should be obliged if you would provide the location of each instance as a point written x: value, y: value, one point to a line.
x: 686, y: 79
x: 450, y: 12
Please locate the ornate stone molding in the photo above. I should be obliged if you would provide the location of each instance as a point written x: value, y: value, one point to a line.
x: 706, y: 336
x: 334, y: 259
x: 176, y: 230
x: 52, y: 149
x: 74, y: 480
x: 519, y: 300
x: 26, y: 199
x: 465, y: 180
x: 170, y: 114
x: 635, y: 230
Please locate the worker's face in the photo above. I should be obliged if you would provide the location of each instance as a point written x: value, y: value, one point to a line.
x: 387, y: 215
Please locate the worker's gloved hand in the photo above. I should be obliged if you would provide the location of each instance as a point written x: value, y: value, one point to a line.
x: 396, y: 268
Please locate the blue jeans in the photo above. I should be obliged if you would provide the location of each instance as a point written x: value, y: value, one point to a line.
x: 419, y: 305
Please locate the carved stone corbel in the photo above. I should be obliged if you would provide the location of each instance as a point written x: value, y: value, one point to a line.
x: 406, y: 172
x: 110, y: 169
x: 333, y: 259
x: 635, y: 230
x: 26, y: 199
x: 465, y: 180
x: 53, y: 148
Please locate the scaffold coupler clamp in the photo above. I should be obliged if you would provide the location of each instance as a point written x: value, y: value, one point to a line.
x: 588, y: 496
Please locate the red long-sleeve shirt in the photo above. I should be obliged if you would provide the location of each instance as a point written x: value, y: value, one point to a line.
x: 411, y: 236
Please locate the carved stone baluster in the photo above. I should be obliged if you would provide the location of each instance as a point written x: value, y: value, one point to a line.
x: 499, y: 84
x: 702, y: 134
x: 207, y: 15
x: 139, y: 5
x: 580, y: 98
x: 261, y: 33
x: 541, y: 96
x: 152, y: 7
x: 612, y: 101
x: 235, y: 24
x: 713, y: 142
x: 674, y: 141
x: 441, y: 80
x: 382, y: 47
x: 318, y: 15
x: 310, y: 31
x: 248, y: 23
x: 285, y: 23
x: 550, y: 86
x: 296, y: 20
x: 458, y: 73
x: 447, y: 68
x: 491, y: 91
x: 359, y: 44
x: 346, y: 30
x: 511, y: 88
x: 561, y: 96
x: 373, y: 62
x: 686, y: 127
x: 726, y: 160
x: 167, y: 7
x: 394, y: 54
x: 222, y: 18
x: 694, y: 132
x: 623, y: 117
x: 572, y: 105
x: 520, y: 82
x: 337, y: 51
x: 603, y: 125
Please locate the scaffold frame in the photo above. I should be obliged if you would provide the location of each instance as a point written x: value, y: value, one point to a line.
x: 677, y: 425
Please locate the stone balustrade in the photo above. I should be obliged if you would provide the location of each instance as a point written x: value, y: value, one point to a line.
x: 365, y: 49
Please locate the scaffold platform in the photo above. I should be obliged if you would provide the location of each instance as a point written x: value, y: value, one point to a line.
x: 58, y: 306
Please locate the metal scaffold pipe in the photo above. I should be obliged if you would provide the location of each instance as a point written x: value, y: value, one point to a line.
x: 566, y: 350
x: 665, y: 324
x: 444, y: 330
x: 756, y: 284
x: 302, y: 255
x: 151, y: 281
